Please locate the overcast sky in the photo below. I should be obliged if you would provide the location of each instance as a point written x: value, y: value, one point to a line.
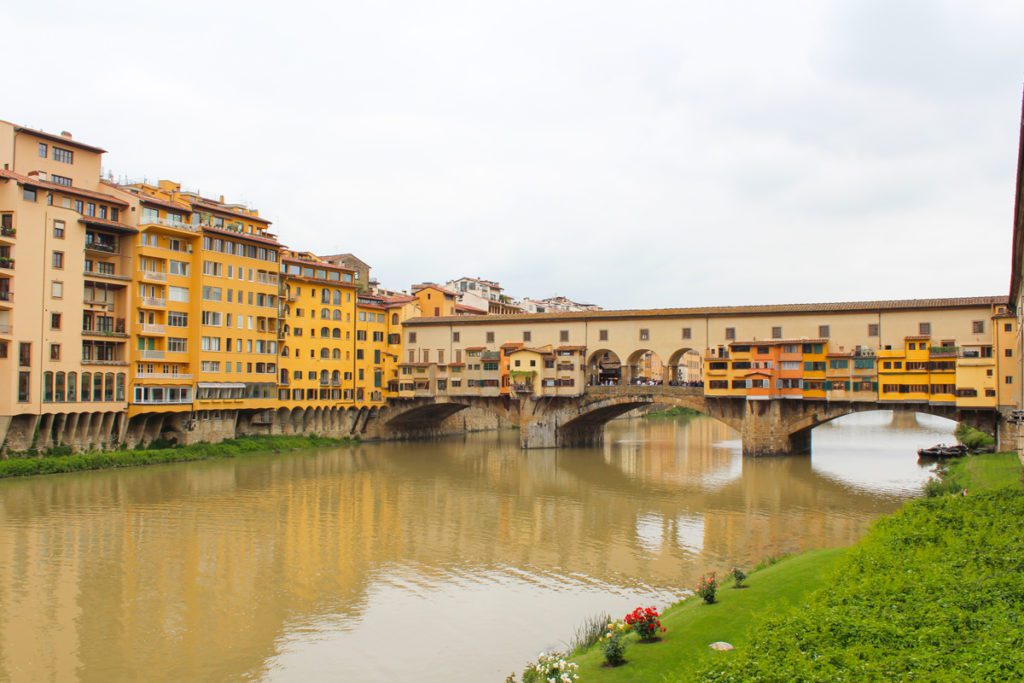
x: 631, y: 154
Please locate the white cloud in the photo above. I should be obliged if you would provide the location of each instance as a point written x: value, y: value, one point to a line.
x: 649, y: 154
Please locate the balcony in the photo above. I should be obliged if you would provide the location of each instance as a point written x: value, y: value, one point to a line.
x: 103, y: 303
x: 176, y: 225
x: 6, y: 263
x: 8, y: 233
x: 164, y: 376
x: 151, y: 354
x: 6, y: 328
x: 108, y: 276
x: 152, y: 302
x: 266, y: 278
x: 103, y: 361
x: 152, y: 328
x: 105, y: 332
x: 154, y: 276
x: 102, y: 247
x: 6, y: 296
x: 162, y: 402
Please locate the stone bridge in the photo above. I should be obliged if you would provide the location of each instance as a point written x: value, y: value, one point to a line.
x: 769, y: 427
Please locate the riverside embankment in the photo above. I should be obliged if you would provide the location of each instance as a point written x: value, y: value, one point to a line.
x: 63, y: 463
x: 933, y: 592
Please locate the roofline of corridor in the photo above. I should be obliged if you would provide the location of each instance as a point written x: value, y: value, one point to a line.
x: 722, y: 311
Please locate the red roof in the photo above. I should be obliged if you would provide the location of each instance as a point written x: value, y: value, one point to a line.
x: 45, y: 184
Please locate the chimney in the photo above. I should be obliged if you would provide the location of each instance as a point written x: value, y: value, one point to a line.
x: 65, y: 134
x: 222, y: 199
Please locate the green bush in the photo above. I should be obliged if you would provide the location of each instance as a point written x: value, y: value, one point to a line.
x: 976, y: 440
x: 933, y: 592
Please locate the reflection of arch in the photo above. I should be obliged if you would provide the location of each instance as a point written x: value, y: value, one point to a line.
x: 685, y: 368
x: 604, y: 367
x: 645, y: 367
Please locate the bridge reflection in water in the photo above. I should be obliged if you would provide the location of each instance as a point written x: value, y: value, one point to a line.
x: 375, y: 563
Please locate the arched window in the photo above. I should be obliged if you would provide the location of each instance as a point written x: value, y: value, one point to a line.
x: 336, y: 315
x: 284, y: 350
x: 394, y: 318
x: 336, y: 354
x: 120, y: 386
x: 97, y: 386
x: 108, y: 387
x: 337, y: 297
x: 325, y: 314
x: 86, y: 386
x: 324, y: 377
x: 335, y: 377
x: 58, y: 392
x: 47, y: 387
x: 325, y: 296
x: 336, y: 333
x: 284, y: 376
x: 324, y: 332
x: 286, y: 328
x: 72, y: 386
x: 325, y: 353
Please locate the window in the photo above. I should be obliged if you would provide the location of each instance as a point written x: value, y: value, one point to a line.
x: 1009, y: 379
x: 58, y: 230
x: 602, y: 335
x: 58, y: 260
x: 1008, y: 353
x: 490, y: 337
x: 456, y: 336
x: 25, y: 354
x: 177, y: 344
x: 645, y: 334
x: 43, y: 150
x: 777, y: 332
x: 23, y: 386
x: 563, y: 336
x: 63, y: 155
x: 1007, y: 327
x: 54, y: 351
x: 824, y: 332
x: 687, y: 333
x: 55, y: 320
x: 57, y: 289
x: 177, y: 294
x: 28, y: 194
x: 978, y: 326
x: 177, y: 319
x: 60, y: 180
x: 80, y: 207
x: 924, y: 328
x: 872, y: 329
x: 527, y: 335
x: 412, y: 337
x: 730, y: 333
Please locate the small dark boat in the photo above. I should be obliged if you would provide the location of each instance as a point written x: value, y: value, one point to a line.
x: 943, y: 451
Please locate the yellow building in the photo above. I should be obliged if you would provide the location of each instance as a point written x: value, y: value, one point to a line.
x: 317, y: 333
x: 435, y: 301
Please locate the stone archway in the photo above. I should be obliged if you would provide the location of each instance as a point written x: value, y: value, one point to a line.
x: 685, y: 368
x: 604, y: 368
x: 645, y: 367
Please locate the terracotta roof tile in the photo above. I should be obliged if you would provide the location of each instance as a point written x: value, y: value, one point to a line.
x: 45, y: 184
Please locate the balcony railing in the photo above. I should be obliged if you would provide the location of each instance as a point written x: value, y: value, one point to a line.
x: 6, y: 328
x: 163, y: 375
x: 178, y: 225
x: 101, y: 246
x: 99, y: 273
x: 154, y: 275
x: 266, y: 278
x: 166, y: 401
x: 103, y: 361
x: 6, y: 295
x: 154, y: 301
x: 8, y: 232
x: 153, y: 328
x: 151, y: 354
x: 7, y: 263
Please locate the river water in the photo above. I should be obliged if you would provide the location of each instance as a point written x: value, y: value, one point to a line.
x: 455, y: 560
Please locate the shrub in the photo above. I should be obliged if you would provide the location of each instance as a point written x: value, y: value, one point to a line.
x: 645, y: 621
x: 613, y: 643
x: 738, y: 577
x: 708, y: 587
x: 770, y: 561
x: 976, y: 440
x: 551, y: 666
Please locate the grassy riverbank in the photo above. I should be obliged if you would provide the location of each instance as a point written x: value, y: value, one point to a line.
x: 230, y: 448
x: 933, y: 592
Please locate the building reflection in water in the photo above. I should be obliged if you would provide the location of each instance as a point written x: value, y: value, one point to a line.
x: 315, y: 565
